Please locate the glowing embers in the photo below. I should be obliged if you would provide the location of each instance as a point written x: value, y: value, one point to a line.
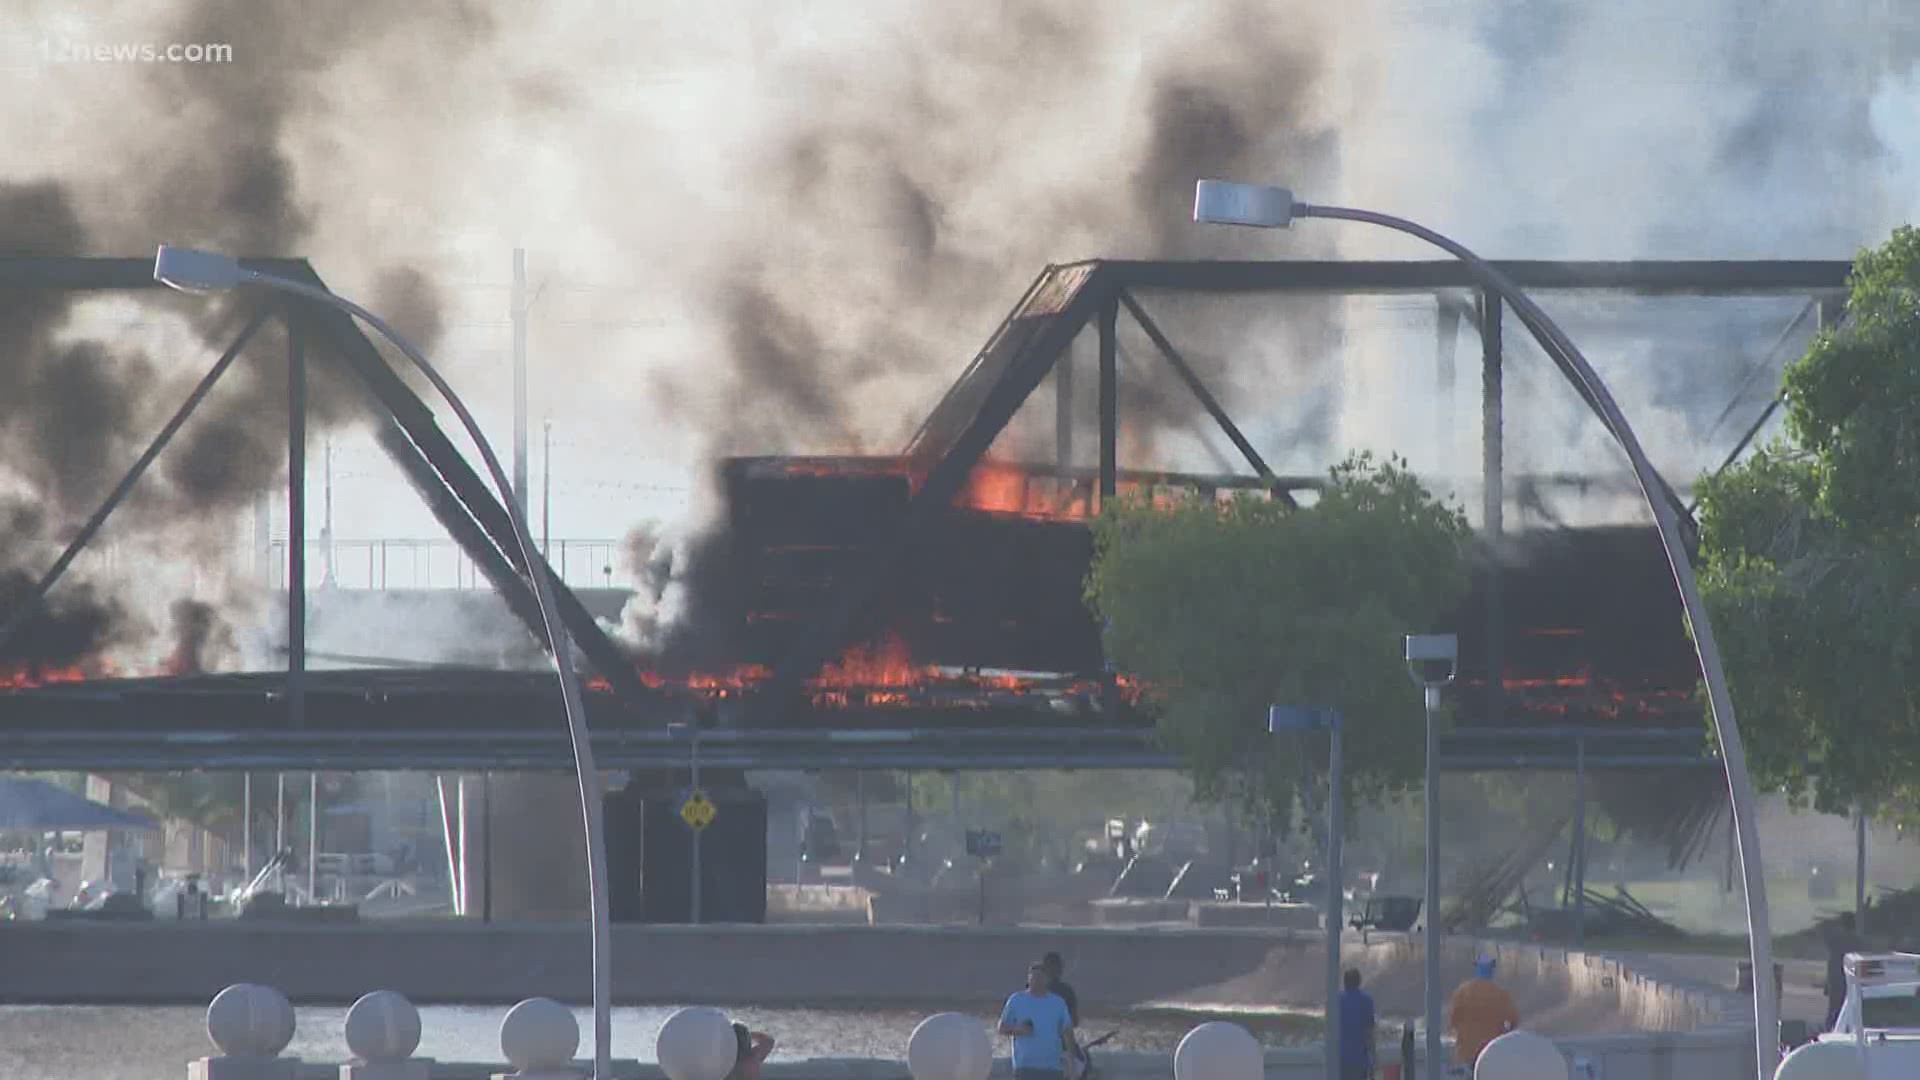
x: 31, y: 677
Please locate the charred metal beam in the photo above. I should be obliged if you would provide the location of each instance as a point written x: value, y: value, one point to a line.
x: 1200, y: 392
x: 296, y: 519
x: 1022, y: 352
x: 460, y: 526
x: 1109, y: 400
x: 1063, y: 411
x: 465, y: 487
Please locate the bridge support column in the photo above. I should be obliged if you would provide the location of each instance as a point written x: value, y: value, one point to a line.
x: 534, y: 863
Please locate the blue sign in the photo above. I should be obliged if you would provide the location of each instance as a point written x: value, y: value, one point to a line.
x: 1300, y: 718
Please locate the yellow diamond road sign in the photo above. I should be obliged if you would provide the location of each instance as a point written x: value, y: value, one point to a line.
x: 698, y: 811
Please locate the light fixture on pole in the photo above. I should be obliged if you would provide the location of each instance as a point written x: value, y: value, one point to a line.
x: 1225, y: 203
x: 1281, y: 718
x: 1432, y: 660
x: 190, y: 270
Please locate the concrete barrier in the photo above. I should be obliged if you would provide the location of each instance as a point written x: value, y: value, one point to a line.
x: 1559, y: 992
x: 1719, y: 1055
x: 382, y: 1030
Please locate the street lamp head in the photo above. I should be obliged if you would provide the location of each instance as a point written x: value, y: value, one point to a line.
x: 192, y: 270
x: 1223, y: 202
x: 1432, y: 659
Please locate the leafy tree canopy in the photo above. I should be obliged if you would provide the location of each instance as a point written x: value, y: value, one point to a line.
x: 1223, y: 608
x: 1810, y: 556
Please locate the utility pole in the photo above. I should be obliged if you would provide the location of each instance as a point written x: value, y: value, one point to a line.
x: 326, y: 520
x: 313, y: 834
x: 520, y: 377
x: 546, y: 489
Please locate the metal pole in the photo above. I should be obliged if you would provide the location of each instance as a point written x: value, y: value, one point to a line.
x: 1431, y: 902
x: 1336, y: 830
x: 1860, y: 868
x: 296, y: 525
x: 280, y: 828
x: 1063, y: 413
x: 1661, y: 502
x: 1579, y: 840
x: 546, y: 490
x: 447, y: 841
x: 981, y: 873
x: 246, y: 825
x: 460, y: 804
x: 520, y: 377
x: 1109, y: 402
x: 1493, y: 485
x: 906, y: 823
x: 326, y: 517
x: 697, y: 873
x: 486, y: 847
x: 313, y: 831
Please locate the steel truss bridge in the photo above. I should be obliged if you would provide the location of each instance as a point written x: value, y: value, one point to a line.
x: 511, y: 720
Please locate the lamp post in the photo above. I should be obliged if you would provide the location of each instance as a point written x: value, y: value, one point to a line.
x: 1280, y: 719
x: 203, y: 271
x: 1270, y: 207
x: 1432, y: 660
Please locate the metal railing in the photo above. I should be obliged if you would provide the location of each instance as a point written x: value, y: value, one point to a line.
x: 398, y: 563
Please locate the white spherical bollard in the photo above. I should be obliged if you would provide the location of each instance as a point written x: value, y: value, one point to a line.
x: 696, y: 1044
x: 1823, y: 1061
x: 1521, y: 1055
x: 1218, y: 1050
x: 250, y: 1021
x: 383, y: 1027
x: 539, y: 1035
x: 949, y: 1046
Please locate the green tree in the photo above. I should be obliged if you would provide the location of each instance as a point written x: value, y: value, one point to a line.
x: 1810, y: 556
x: 1225, y: 607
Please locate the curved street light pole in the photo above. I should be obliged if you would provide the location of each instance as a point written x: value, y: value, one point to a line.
x: 1262, y: 206
x: 200, y: 271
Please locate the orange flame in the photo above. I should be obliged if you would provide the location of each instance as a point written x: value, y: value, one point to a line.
x: 31, y: 677
x: 887, y: 664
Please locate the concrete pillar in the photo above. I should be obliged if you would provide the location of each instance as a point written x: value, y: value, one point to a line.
x: 537, y: 866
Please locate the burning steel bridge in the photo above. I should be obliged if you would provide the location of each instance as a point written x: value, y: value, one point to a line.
x: 895, y: 609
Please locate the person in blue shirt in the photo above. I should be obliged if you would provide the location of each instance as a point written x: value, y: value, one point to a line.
x: 1356, y: 1030
x: 1038, y: 1021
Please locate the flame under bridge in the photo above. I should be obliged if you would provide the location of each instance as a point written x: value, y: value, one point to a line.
x: 921, y: 610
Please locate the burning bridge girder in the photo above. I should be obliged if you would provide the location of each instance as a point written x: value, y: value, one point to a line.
x: 1031, y: 341
x: 406, y: 429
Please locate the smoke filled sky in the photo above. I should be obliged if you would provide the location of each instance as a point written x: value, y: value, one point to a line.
x: 773, y: 226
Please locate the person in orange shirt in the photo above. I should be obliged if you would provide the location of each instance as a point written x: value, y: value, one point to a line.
x: 1479, y: 1012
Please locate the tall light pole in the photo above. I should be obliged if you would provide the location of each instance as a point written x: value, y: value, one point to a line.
x: 204, y: 271
x: 1432, y: 660
x: 1270, y: 207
